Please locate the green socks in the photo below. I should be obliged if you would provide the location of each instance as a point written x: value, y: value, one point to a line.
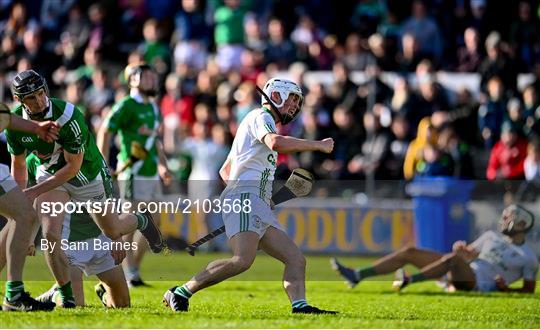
x: 417, y: 278
x: 66, y: 293
x: 142, y: 221
x: 183, y: 291
x: 362, y: 273
x: 13, y: 289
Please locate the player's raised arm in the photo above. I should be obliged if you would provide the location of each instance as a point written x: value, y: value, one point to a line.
x: 47, y: 131
x: 287, y: 144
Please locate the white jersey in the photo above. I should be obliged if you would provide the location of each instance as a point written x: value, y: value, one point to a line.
x: 498, y: 256
x: 252, y: 163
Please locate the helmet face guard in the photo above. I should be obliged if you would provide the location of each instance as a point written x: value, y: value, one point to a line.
x: 26, y: 83
x: 511, y: 216
x: 138, y: 69
x: 284, y: 87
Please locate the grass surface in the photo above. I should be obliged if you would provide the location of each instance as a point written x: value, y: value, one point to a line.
x: 256, y: 300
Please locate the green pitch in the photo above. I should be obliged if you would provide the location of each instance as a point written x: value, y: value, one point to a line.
x: 257, y: 300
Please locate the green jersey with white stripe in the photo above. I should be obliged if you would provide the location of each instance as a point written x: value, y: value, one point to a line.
x: 77, y: 226
x: 74, y: 137
x: 135, y: 120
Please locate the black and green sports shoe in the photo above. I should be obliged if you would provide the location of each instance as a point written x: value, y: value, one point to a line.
x: 151, y: 233
x: 175, y: 301
x: 23, y: 302
x: 401, y: 280
x: 311, y: 310
x: 100, y: 291
x: 348, y: 274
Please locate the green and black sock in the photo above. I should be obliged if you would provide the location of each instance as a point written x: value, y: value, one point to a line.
x: 66, y: 293
x: 14, y: 289
x: 183, y: 291
x: 418, y: 277
x: 365, y: 272
x: 142, y: 221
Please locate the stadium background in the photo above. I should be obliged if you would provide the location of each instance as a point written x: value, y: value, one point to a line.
x: 371, y: 70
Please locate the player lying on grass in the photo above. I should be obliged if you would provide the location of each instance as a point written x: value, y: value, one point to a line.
x: 87, y: 254
x: 249, y: 173
x: 71, y: 169
x: 491, y: 263
x: 21, y: 217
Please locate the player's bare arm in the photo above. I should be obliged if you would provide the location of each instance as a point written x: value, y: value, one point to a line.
x: 72, y: 167
x: 287, y: 144
x: 528, y: 286
x: 102, y: 140
x: 47, y: 130
x: 163, y: 169
x: 18, y: 170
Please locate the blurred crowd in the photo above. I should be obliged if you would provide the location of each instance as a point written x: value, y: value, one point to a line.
x: 211, y: 54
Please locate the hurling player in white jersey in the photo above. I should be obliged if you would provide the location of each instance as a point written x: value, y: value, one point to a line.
x: 249, y: 172
x: 490, y: 263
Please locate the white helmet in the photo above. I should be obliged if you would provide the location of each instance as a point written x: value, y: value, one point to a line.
x: 514, y: 214
x: 284, y: 87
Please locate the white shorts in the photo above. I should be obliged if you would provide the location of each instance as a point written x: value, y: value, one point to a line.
x: 96, y: 190
x: 88, y: 260
x: 6, y: 180
x: 484, y: 281
x: 257, y: 218
x: 140, y: 188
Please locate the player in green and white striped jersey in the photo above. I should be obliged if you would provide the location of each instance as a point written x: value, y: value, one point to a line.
x: 79, y: 230
x: 71, y: 169
x: 137, y: 121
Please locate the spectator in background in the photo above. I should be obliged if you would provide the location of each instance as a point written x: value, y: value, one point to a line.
x: 385, y: 59
x: 524, y: 37
x: 53, y: 15
x: 42, y: 60
x: 207, y: 158
x: 435, y: 162
x: 8, y: 53
x: 491, y: 112
x: 465, y: 114
x: 367, y: 15
x: 515, y: 116
x: 192, y: 36
x: 507, y: 158
x: 450, y: 143
x: 425, y: 31
x: 77, y: 27
x: 355, y: 57
x: 99, y: 94
x: 348, y: 137
x: 398, y: 147
x: 229, y: 34
x: 410, y: 54
x: 431, y: 97
x: 370, y: 162
x: 426, y: 134
x: 100, y: 37
x: 532, y: 162
x: 469, y: 56
x: 403, y: 101
x: 245, y: 100
x: 310, y: 160
x: 280, y: 50
x: 497, y: 64
x: 254, y: 38
x: 155, y: 52
x: 18, y: 22
x: 343, y: 90
x: 374, y: 90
